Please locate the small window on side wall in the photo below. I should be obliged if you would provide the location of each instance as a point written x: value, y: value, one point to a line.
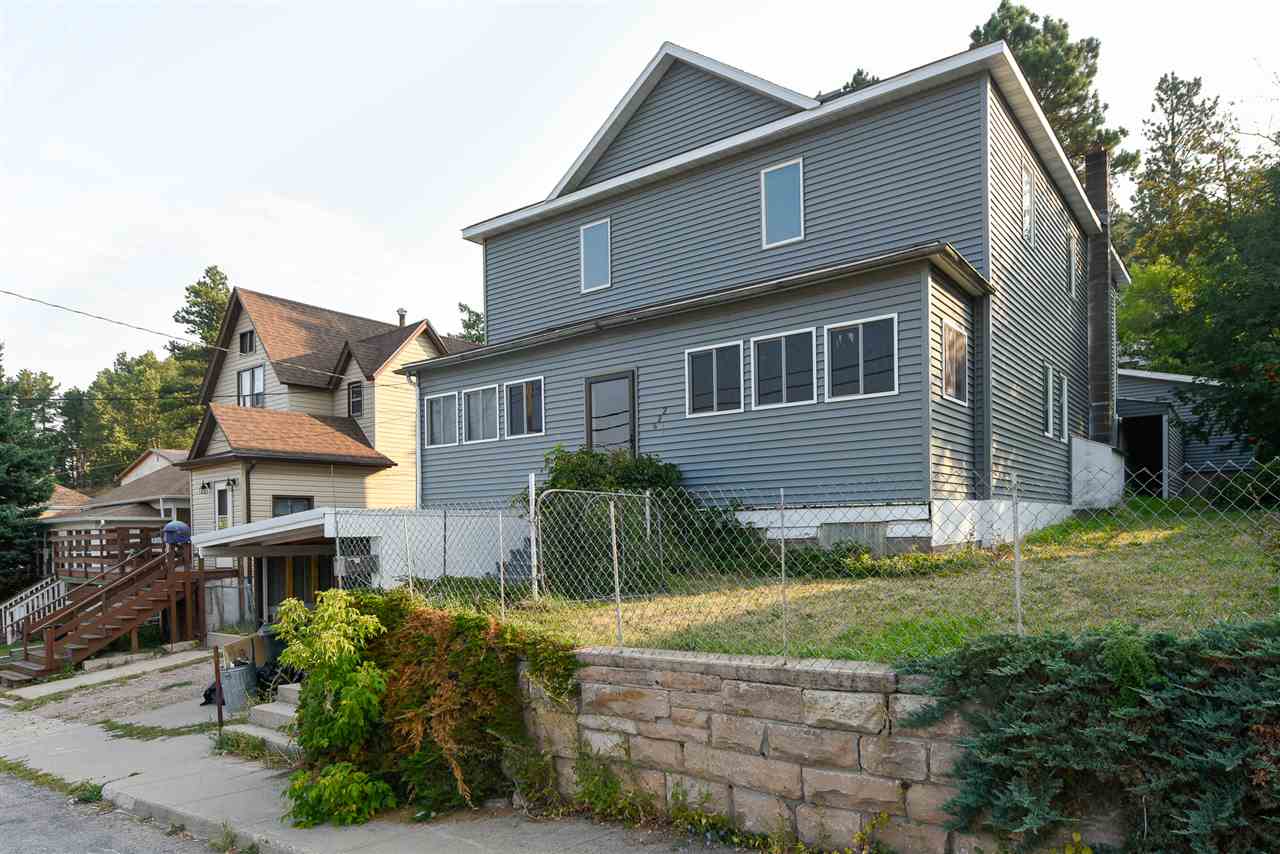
x: 1048, y: 401
x: 955, y: 363
x: 480, y: 415
x: 1064, y: 416
x: 1073, y: 261
x: 247, y: 343
x: 524, y: 408
x: 862, y: 358
x: 782, y: 203
x: 713, y: 379
x: 285, y: 505
x: 1028, y: 205
x: 782, y: 369
x: 355, y: 399
x: 440, y: 413
x: 595, y: 249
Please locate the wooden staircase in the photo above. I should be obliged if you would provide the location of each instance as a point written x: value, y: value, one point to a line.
x: 126, y: 597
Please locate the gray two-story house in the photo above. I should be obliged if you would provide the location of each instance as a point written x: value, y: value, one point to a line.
x: 890, y: 296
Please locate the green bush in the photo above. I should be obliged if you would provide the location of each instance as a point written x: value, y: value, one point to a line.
x: 1181, y: 735
x: 338, y: 793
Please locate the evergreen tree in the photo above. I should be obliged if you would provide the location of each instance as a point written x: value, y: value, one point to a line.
x: 26, y: 483
x: 201, y: 314
x: 472, y: 323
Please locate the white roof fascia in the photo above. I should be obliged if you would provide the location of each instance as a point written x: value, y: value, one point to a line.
x: 994, y: 58
x: 645, y: 83
x: 1163, y: 377
x: 263, y: 527
x: 1119, y: 268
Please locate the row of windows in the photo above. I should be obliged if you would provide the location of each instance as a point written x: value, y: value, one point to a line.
x: 861, y: 361
x: 781, y: 222
x: 1030, y: 229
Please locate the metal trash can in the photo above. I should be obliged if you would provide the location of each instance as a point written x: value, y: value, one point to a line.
x: 238, y: 685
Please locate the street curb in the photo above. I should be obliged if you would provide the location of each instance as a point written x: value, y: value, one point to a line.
x: 204, y: 829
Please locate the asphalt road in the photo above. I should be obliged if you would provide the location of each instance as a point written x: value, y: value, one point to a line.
x: 37, y: 821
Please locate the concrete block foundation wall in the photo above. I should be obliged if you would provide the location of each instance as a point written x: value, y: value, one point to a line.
x: 813, y: 746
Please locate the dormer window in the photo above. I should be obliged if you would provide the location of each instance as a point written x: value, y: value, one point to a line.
x: 248, y: 342
x: 782, y: 203
x: 594, y: 246
x: 355, y: 400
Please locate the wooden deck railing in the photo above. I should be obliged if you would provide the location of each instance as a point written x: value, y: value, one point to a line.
x: 86, y: 552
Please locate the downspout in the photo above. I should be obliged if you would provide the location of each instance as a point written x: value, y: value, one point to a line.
x: 248, y: 494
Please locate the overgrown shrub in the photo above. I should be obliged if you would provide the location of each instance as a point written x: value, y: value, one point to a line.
x: 1181, y: 735
x: 338, y: 793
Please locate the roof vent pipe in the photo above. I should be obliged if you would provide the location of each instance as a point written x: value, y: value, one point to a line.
x: 402, y: 312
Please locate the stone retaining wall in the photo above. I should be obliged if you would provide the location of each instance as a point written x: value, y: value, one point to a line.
x: 813, y: 746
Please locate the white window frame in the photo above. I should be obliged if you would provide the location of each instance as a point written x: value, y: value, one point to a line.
x: 1027, y: 195
x: 351, y: 386
x: 949, y: 323
x: 251, y: 371
x: 764, y: 212
x: 1046, y: 415
x: 497, y: 417
x: 826, y: 359
x: 218, y: 517
x: 426, y: 428
x: 1073, y: 265
x: 582, y: 256
x: 742, y: 380
x: 755, y: 397
x: 1064, y: 415
x: 542, y: 402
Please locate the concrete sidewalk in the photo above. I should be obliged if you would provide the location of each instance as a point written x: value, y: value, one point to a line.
x: 178, y: 781
x: 99, y: 677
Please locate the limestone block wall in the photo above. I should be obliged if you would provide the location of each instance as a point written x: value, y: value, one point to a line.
x: 813, y: 746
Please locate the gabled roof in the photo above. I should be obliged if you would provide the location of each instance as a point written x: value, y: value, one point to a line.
x: 375, y: 353
x: 169, y: 455
x: 254, y: 433
x: 995, y: 59
x: 63, y: 501
x: 307, y: 345
x: 136, y: 512
x: 163, y: 483
x: 667, y: 55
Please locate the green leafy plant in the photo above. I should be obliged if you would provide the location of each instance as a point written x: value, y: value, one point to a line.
x: 339, y: 793
x: 602, y: 791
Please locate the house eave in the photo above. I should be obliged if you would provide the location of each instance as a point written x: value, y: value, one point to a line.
x: 275, y: 456
x: 940, y: 254
x: 994, y: 59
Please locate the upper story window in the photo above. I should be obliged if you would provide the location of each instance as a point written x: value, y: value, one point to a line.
x: 1073, y: 260
x: 783, y: 369
x: 955, y: 363
x: 594, y: 247
x: 524, y: 408
x: 782, y: 203
x: 248, y: 341
x: 441, y: 416
x: 250, y: 386
x: 713, y: 379
x: 480, y: 414
x: 862, y: 358
x: 1028, y: 205
x: 355, y: 399
x: 1048, y: 401
x: 283, y: 505
x: 222, y: 498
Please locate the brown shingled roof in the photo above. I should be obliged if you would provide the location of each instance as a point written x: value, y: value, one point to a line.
x: 167, y: 482
x: 456, y: 343
x: 114, y: 511
x: 254, y: 432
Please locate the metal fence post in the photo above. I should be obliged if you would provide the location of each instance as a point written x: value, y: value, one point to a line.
x: 444, y: 542
x: 782, y: 526
x: 408, y: 559
x: 617, y: 576
x: 502, y: 570
x: 533, y: 535
x: 339, y: 565
x: 1017, y: 559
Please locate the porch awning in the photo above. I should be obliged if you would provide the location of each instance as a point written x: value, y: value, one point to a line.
x: 308, y: 532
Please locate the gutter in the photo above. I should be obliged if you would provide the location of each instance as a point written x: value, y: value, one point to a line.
x: 198, y: 462
x: 941, y: 254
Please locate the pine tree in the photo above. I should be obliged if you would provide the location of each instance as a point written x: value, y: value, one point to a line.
x: 26, y: 483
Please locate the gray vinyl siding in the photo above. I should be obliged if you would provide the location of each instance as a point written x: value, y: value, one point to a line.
x: 906, y: 174
x: 871, y: 449
x: 1034, y: 320
x: 1176, y: 449
x: 953, y: 433
x: 688, y: 108
x: 1220, y: 452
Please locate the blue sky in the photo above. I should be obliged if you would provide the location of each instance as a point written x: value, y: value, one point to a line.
x: 332, y: 153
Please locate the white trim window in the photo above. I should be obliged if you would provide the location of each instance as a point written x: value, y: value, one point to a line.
x: 480, y: 415
x: 861, y: 358
x: 784, y: 369
x: 251, y: 387
x: 441, y: 414
x: 525, y: 411
x: 1028, y: 205
x: 355, y: 399
x: 1073, y: 260
x: 782, y: 203
x: 955, y: 362
x: 1064, y: 415
x: 1047, y: 424
x: 222, y: 507
x: 595, y: 256
x: 713, y: 383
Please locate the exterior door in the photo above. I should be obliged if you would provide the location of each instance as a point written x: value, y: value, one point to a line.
x: 611, y: 412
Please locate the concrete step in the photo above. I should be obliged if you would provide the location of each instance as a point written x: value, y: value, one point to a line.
x: 274, y: 738
x: 13, y: 679
x: 288, y: 694
x: 275, y: 716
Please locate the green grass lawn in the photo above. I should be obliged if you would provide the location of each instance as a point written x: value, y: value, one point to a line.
x: 1159, y: 566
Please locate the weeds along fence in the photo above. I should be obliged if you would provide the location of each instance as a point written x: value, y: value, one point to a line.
x: 872, y: 571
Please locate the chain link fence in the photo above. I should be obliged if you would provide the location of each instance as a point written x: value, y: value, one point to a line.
x: 876, y: 571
